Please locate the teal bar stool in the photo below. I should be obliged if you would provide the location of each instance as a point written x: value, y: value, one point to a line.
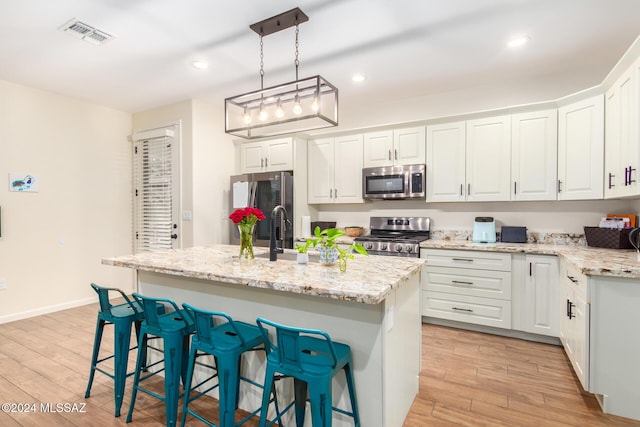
x: 218, y: 335
x: 174, y: 329
x: 312, y: 359
x: 121, y: 316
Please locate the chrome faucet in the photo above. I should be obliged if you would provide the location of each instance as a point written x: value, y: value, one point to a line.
x: 274, y: 250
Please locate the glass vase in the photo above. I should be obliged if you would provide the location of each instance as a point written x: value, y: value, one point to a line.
x: 246, y: 241
x: 342, y: 263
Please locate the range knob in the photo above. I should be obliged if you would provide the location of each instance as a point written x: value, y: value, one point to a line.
x: 409, y: 249
x: 383, y: 247
x: 398, y: 247
x: 368, y: 245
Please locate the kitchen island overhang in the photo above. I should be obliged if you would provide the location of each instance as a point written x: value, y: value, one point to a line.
x: 374, y: 307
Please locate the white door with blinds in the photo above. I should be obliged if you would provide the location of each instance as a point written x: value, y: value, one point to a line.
x: 156, y: 194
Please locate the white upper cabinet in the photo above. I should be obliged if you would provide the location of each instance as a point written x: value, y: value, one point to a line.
x: 489, y: 159
x: 581, y: 150
x: 266, y: 156
x: 335, y: 170
x: 446, y: 150
x: 394, y: 147
x: 534, y: 148
x: 622, y: 154
x: 320, y: 168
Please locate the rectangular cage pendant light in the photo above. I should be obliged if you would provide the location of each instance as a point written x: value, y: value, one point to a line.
x: 298, y: 106
x: 301, y: 105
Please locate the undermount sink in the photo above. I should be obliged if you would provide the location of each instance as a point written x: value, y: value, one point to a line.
x: 288, y: 256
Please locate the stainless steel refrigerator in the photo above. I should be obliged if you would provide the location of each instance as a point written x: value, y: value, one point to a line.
x: 265, y: 191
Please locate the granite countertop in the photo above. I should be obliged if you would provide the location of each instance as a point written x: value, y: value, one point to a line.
x: 591, y: 261
x: 368, y: 279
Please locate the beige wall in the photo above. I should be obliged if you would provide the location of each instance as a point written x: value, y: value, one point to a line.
x: 53, y: 241
x: 213, y: 164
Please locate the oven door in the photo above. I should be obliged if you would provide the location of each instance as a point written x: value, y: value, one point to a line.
x: 385, y: 186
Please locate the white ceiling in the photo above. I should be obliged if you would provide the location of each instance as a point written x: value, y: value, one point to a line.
x: 407, y: 48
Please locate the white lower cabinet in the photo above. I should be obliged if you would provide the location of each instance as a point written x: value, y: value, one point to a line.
x: 535, y: 294
x: 574, y: 326
x: 467, y: 286
x: 595, y: 317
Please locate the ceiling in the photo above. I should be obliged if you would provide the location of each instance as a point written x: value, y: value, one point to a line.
x: 406, y: 48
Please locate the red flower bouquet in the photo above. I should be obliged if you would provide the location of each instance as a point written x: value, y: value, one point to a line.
x: 246, y: 215
x: 246, y: 219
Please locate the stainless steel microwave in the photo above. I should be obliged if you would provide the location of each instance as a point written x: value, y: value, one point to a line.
x: 394, y: 182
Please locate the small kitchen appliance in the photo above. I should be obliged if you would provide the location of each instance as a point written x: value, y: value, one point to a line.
x: 395, y: 236
x: 394, y: 182
x: 484, y: 230
x: 513, y: 234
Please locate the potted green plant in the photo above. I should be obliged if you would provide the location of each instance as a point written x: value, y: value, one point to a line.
x: 303, y: 255
x: 326, y: 244
x: 330, y: 253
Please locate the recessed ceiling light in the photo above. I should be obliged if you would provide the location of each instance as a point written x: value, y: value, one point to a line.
x: 518, y: 41
x: 358, y: 78
x: 200, y: 65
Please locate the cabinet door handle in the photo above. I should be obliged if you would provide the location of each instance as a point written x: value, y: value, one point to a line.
x: 570, y: 306
x: 463, y: 259
x: 460, y: 282
x: 631, y: 169
x: 468, y: 310
x: 396, y: 153
x: 573, y: 279
x: 613, y: 176
x: 530, y: 269
x: 559, y: 186
x: 468, y: 189
x: 266, y: 162
x: 389, y: 154
x: 331, y: 193
x: 261, y: 163
x: 461, y: 186
x: 335, y: 193
x: 514, y: 187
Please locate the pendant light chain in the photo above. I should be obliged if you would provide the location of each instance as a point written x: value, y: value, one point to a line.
x: 261, y: 63
x: 297, y: 46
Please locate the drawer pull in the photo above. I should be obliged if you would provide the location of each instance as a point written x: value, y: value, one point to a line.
x: 468, y: 310
x: 570, y: 306
x: 460, y: 282
x: 463, y: 259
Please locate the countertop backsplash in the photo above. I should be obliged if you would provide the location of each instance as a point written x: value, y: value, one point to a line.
x: 532, y: 237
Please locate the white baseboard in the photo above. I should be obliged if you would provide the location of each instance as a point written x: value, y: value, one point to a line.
x: 46, y: 310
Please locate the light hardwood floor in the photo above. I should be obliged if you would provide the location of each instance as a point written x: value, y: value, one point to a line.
x: 467, y: 378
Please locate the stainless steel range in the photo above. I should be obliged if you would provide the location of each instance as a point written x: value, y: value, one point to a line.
x: 396, y: 236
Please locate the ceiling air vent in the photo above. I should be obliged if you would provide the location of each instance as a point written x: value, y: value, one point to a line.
x: 86, y: 32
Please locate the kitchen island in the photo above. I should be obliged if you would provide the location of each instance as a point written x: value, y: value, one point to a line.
x: 374, y: 307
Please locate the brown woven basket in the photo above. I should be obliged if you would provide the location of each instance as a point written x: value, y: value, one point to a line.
x: 608, y: 238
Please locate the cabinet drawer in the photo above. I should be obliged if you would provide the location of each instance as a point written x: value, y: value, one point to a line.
x: 462, y: 308
x: 578, y: 280
x: 479, y: 283
x: 467, y: 259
